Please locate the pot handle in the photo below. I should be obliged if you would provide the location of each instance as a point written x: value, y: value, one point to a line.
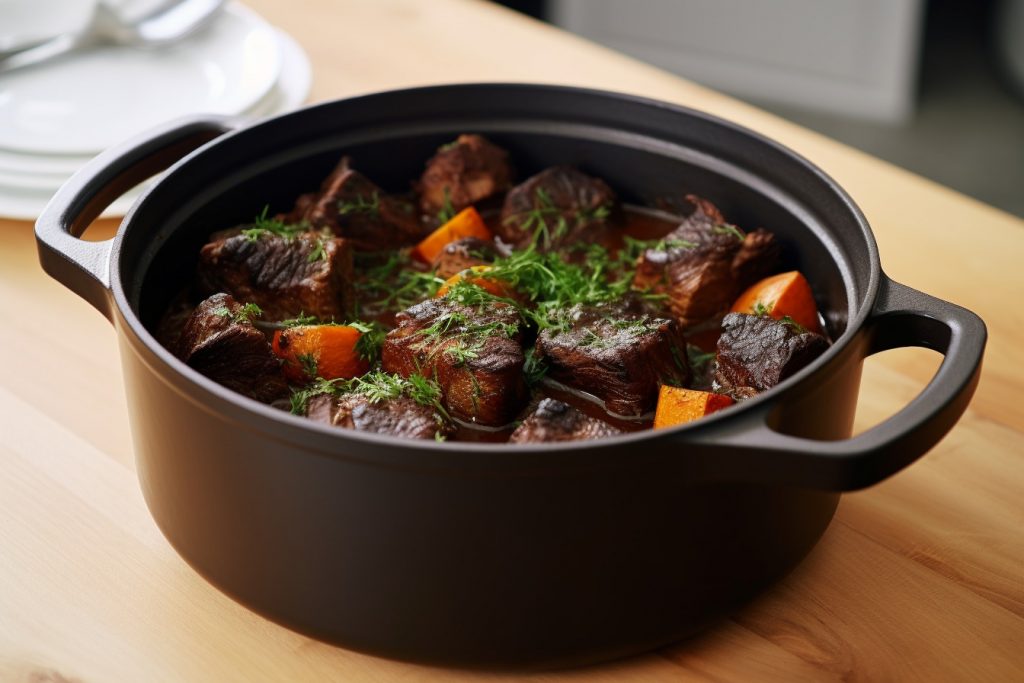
x: 82, y: 266
x: 749, y: 449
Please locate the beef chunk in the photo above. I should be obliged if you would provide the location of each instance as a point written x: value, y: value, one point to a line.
x: 756, y: 259
x: 617, y: 354
x: 461, y: 254
x: 284, y: 274
x: 352, y: 206
x: 705, y: 263
x: 220, y: 341
x: 757, y: 352
x: 400, y: 416
x: 463, y: 173
x: 474, y: 354
x: 557, y: 421
x: 559, y: 206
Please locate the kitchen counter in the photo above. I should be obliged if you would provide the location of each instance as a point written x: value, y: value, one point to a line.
x: 918, y: 578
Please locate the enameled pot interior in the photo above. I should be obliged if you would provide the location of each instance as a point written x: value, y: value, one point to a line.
x: 645, y: 152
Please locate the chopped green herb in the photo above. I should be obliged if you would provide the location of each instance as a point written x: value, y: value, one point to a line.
x: 309, y: 364
x: 360, y: 204
x: 371, y: 339
x: 761, y: 308
x: 265, y: 225
x: 246, y: 313
x: 447, y: 211
x: 394, y: 284
x: 318, y: 252
x: 592, y: 215
x: 792, y: 324
x: 536, y: 220
x: 697, y: 357
x: 376, y: 386
x: 534, y: 368
x: 301, y: 320
x: 726, y: 229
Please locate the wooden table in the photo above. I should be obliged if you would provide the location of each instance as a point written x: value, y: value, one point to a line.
x: 921, y: 577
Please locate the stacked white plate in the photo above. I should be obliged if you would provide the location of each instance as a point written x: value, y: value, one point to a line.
x: 56, y: 116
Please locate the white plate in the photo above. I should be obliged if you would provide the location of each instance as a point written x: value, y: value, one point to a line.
x: 85, y: 103
x: 24, y: 194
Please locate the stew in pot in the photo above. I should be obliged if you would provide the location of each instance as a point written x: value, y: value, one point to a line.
x: 476, y: 307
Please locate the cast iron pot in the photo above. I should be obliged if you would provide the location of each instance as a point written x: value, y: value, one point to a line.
x: 483, y: 554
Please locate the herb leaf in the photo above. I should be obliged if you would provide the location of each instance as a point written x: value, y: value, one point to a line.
x: 361, y: 204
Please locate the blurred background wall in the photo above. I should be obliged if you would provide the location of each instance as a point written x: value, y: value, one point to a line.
x: 935, y: 86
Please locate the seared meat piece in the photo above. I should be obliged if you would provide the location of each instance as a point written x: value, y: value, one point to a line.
x: 461, y: 254
x: 705, y: 263
x: 475, y: 355
x: 284, y: 274
x: 756, y: 259
x: 352, y: 206
x: 616, y: 354
x: 559, y: 206
x: 557, y: 421
x: 170, y: 325
x: 462, y: 173
x: 400, y: 416
x: 220, y: 341
x: 757, y: 352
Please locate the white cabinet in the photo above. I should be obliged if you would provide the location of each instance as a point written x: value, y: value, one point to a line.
x: 855, y: 57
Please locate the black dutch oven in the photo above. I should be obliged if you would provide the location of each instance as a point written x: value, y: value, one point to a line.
x: 483, y: 554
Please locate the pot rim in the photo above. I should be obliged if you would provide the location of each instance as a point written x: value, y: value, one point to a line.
x: 276, y: 422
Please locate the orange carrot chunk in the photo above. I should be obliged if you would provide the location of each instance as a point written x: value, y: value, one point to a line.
x: 466, y: 223
x: 677, y: 405
x: 311, y: 351
x: 471, y: 275
x: 778, y: 296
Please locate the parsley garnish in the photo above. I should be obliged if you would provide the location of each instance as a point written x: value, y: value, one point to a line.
x: 761, y: 309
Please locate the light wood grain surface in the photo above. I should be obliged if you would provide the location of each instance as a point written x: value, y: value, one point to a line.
x: 918, y: 578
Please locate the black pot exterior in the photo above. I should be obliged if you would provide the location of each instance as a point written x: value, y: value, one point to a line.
x: 538, y: 568
x: 483, y: 555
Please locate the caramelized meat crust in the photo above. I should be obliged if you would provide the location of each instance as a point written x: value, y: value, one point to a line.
x: 757, y: 352
x: 221, y: 343
x: 617, y: 354
x: 400, y: 416
x: 309, y: 273
x: 557, y: 421
x: 462, y: 173
x: 352, y: 206
x: 560, y: 206
x: 705, y: 263
x: 475, y: 356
